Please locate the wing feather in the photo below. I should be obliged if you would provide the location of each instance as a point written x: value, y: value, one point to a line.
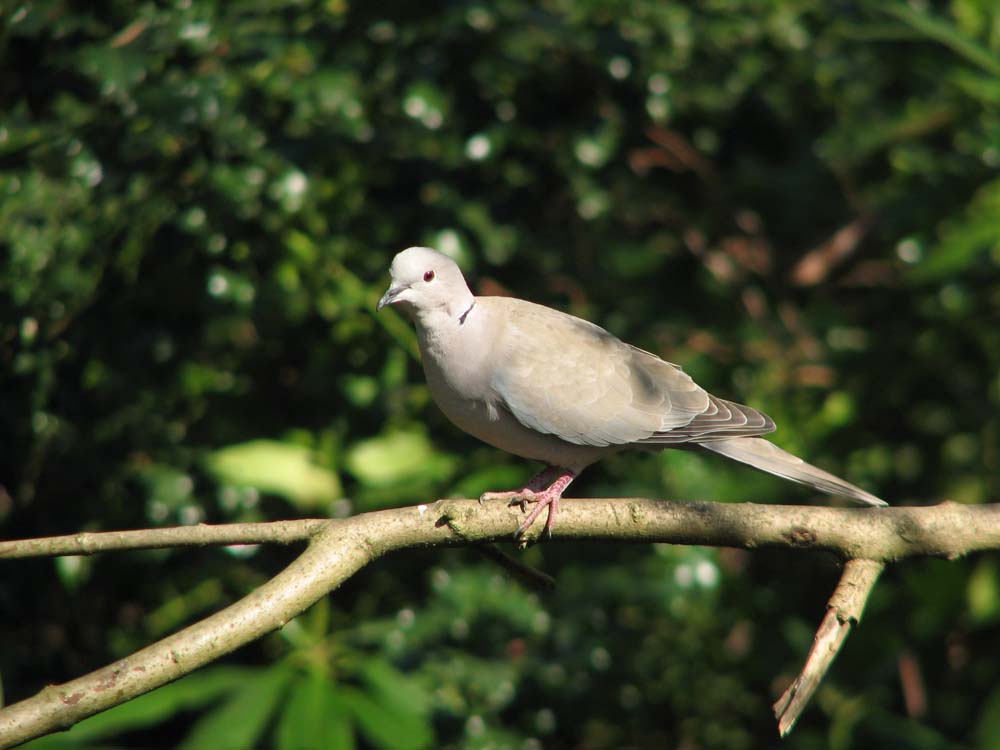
x: 563, y: 376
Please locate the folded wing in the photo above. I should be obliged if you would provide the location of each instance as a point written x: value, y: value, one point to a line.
x: 562, y: 376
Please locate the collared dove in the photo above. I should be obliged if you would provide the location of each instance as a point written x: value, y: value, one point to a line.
x: 554, y: 388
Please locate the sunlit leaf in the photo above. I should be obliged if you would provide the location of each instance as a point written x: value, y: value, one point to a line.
x: 396, y: 457
x: 282, y: 468
x: 984, y: 592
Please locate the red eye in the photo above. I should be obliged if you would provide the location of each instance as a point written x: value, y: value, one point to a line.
x: 428, y: 276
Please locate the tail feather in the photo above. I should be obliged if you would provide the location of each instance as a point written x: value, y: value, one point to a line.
x: 766, y: 456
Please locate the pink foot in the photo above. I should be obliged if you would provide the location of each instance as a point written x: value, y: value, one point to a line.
x: 545, y: 489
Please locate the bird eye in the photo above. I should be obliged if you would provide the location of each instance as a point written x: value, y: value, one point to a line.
x: 428, y: 276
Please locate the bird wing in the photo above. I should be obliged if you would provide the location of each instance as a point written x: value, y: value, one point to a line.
x: 563, y: 376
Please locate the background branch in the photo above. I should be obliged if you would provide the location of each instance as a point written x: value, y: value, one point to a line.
x: 339, y: 549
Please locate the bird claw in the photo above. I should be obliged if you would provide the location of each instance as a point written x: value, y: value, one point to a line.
x: 552, y: 503
x: 545, y: 489
x: 522, y: 498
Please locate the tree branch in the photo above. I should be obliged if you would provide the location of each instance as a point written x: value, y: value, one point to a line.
x: 202, y: 535
x: 945, y: 530
x: 338, y: 549
x: 843, y: 612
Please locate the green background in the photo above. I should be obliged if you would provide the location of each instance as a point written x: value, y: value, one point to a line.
x: 799, y: 202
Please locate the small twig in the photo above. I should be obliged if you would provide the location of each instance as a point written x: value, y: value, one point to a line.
x: 843, y: 613
x: 531, y: 577
x: 130, y: 33
x: 816, y: 265
x: 912, y: 683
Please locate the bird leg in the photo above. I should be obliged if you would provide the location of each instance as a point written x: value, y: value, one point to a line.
x: 545, y: 489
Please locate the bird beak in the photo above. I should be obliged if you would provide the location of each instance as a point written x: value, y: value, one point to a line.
x: 390, y: 296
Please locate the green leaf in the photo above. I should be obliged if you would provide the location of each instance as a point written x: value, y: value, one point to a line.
x: 242, y: 718
x: 941, y: 31
x: 396, y: 457
x: 117, y: 70
x: 964, y: 240
x: 315, y: 716
x: 73, y: 570
x: 988, y: 724
x: 395, y: 690
x: 385, y: 726
x: 166, y: 484
x: 492, y: 478
x: 179, y: 609
x: 282, y: 468
x: 426, y: 103
x: 984, y: 592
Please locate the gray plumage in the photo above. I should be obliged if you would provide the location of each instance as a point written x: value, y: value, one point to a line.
x: 551, y: 387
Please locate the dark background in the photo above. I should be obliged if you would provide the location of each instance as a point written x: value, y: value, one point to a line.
x: 198, y: 204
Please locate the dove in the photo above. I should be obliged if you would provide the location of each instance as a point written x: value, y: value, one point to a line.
x: 551, y: 387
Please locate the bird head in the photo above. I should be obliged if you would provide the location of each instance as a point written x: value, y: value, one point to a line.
x: 424, y: 280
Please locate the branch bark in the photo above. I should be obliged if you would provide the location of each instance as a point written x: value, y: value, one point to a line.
x: 843, y: 612
x: 338, y: 549
x: 202, y: 535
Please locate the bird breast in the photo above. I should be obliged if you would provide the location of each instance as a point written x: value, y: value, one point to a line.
x: 458, y: 370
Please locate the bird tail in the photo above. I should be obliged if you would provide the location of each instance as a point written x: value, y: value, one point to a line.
x: 766, y: 456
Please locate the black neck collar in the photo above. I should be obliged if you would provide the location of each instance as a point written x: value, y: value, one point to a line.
x: 463, y: 316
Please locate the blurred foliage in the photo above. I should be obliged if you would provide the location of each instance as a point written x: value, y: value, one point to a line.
x: 798, y: 202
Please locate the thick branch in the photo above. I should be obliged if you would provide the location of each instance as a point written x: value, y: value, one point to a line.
x: 339, y: 549
x: 945, y: 530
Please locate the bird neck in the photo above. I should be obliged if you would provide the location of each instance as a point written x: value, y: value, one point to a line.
x: 446, y: 326
x: 447, y: 313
